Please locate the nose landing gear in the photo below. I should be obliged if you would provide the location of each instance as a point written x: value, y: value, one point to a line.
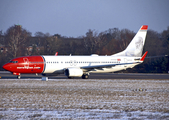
x: 18, y: 76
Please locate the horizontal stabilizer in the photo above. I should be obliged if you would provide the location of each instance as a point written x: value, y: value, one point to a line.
x: 143, y: 57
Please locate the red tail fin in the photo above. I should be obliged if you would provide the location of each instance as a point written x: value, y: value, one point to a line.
x: 143, y: 57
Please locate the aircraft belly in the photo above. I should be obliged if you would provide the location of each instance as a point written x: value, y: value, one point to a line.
x: 113, y: 69
x: 53, y: 69
x: 104, y: 70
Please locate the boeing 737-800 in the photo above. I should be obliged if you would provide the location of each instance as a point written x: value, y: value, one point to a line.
x: 81, y: 66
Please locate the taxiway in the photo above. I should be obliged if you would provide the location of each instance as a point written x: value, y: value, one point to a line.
x: 8, y: 75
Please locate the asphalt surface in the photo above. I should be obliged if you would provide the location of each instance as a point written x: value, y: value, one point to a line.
x: 8, y: 75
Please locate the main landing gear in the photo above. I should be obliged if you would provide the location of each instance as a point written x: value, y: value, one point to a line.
x: 70, y: 77
x: 85, y: 76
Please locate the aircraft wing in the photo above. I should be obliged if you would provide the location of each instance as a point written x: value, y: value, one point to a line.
x: 88, y: 68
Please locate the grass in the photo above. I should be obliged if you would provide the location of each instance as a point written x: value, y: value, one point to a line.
x: 85, y: 95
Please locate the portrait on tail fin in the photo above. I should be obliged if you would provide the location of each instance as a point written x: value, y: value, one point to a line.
x: 135, y: 47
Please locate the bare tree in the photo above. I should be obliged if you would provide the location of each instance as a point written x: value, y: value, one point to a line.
x: 1, y: 38
x: 91, y: 41
x: 125, y: 38
x: 16, y: 39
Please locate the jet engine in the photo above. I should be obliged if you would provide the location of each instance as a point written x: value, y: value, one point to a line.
x: 73, y: 72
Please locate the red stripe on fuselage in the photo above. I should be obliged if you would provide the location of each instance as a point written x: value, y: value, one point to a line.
x: 26, y: 64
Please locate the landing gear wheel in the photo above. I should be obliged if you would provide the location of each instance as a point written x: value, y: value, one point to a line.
x: 85, y: 76
x: 19, y: 77
x: 70, y: 77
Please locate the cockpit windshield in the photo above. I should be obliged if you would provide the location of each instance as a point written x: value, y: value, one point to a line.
x: 13, y: 61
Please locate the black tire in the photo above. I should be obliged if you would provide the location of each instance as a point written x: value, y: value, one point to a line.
x: 19, y: 77
x: 70, y: 77
x: 85, y: 76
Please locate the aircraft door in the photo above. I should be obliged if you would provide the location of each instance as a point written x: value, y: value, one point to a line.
x: 125, y: 61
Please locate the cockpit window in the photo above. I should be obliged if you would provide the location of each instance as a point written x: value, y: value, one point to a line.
x: 13, y: 61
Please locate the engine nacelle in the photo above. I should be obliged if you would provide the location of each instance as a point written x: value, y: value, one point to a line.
x: 73, y: 72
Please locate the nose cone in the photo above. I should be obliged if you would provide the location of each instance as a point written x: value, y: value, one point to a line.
x: 6, y: 67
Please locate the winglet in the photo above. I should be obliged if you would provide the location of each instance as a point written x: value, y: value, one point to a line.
x: 143, y: 57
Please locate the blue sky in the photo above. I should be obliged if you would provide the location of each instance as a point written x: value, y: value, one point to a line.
x: 73, y: 18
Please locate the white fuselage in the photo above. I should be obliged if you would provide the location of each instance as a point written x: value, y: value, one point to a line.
x: 60, y: 63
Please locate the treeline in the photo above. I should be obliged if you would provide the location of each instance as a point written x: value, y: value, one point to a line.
x: 17, y: 41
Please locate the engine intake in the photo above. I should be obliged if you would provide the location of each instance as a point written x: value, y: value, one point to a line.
x: 73, y: 72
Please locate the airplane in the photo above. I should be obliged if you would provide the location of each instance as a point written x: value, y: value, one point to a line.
x: 81, y: 66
